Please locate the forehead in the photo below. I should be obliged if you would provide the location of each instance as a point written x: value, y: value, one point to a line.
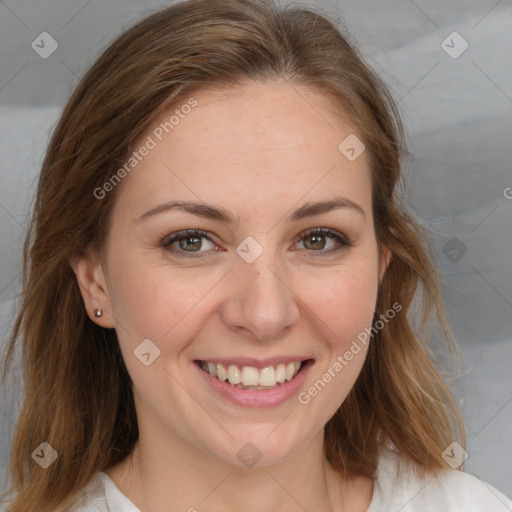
x: 261, y: 142
x: 263, y: 118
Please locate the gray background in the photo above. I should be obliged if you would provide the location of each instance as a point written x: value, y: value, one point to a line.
x: 458, y: 115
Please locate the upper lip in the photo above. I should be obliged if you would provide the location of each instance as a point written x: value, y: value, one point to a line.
x: 255, y: 362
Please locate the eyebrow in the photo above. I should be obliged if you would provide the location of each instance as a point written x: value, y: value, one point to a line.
x: 225, y: 216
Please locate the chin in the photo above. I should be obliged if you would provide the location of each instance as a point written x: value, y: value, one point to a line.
x: 259, y: 445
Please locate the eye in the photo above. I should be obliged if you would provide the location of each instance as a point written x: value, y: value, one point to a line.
x: 187, y: 242
x: 323, y: 240
x: 191, y: 242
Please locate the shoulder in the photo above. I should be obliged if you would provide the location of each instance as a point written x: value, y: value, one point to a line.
x: 92, y: 497
x: 99, y: 495
x: 403, y: 486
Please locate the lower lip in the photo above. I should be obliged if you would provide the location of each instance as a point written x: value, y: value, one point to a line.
x: 257, y: 398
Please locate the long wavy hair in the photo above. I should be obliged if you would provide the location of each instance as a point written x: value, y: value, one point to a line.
x: 77, y: 393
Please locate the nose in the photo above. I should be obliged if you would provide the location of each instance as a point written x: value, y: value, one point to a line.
x: 260, y: 300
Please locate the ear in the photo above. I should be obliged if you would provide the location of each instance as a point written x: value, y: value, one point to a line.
x: 385, y: 258
x: 93, y: 287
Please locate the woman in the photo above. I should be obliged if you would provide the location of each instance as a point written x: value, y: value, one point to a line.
x: 219, y: 276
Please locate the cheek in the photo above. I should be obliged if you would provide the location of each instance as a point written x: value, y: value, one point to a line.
x: 345, y: 303
x: 344, y: 307
x: 156, y: 301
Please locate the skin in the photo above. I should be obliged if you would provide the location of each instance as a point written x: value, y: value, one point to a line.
x: 259, y: 151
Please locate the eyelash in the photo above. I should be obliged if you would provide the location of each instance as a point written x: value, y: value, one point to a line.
x: 338, y: 237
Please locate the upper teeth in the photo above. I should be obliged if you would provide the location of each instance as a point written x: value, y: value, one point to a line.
x: 250, y: 376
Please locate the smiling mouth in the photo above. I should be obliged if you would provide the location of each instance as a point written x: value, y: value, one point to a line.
x: 251, y: 378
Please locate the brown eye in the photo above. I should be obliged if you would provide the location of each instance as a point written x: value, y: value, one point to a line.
x: 323, y: 240
x: 187, y: 242
x: 190, y: 242
x: 316, y: 242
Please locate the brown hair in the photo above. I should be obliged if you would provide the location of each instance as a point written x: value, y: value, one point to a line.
x: 72, y: 397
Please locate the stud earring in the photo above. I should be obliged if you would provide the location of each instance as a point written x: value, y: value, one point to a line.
x: 98, y: 312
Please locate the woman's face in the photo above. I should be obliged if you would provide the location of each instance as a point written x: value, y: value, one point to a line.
x: 270, y: 282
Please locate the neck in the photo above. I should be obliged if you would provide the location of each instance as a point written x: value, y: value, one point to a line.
x: 154, y: 484
x: 167, y: 472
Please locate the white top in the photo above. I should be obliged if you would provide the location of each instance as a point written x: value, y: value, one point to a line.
x: 396, y: 489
